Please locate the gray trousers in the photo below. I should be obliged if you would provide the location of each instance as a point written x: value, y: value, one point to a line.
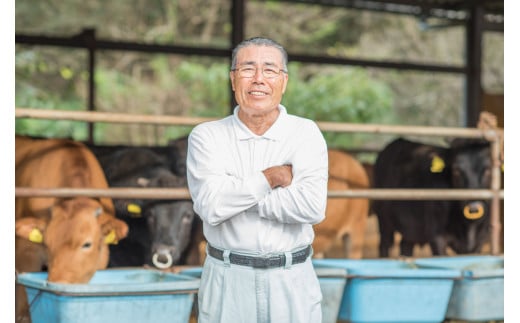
x: 238, y: 294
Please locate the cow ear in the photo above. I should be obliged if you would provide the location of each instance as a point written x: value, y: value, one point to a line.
x: 437, y: 165
x: 113, y: 229
x: 31, y: 228
x: 111, y: 238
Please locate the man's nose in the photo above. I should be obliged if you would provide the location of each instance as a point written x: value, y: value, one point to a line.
x: 259, y: 74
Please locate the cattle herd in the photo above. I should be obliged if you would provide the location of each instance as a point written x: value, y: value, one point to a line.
x: 462, y: 225
x: 73, y: 237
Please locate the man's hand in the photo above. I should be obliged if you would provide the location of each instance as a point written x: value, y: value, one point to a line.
x: 279, y: 176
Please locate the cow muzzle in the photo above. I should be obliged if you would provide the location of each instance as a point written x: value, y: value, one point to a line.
x: 473, y: 210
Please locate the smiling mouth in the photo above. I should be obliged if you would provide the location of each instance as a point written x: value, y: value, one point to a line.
x: 257, y: 93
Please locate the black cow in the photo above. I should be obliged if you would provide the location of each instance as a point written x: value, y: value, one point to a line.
x: 159, y: 230
x: 459, y: 224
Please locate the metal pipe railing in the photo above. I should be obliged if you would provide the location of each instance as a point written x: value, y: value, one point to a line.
x: 96, y: 116
x: 154, y: 193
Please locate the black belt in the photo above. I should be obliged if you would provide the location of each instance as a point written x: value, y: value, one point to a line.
x: 260, y: 262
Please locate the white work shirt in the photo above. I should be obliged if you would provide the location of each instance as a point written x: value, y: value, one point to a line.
x: 232, y: 196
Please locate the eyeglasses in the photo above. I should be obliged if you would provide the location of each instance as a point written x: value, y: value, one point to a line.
x: 250, y: 71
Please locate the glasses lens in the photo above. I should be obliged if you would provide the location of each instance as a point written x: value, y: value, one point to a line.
x: 270, y: 72
x: 249, y: 71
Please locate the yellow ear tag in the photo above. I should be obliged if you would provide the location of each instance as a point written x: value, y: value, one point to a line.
x: 502, y: 167
x: 35, y: 236
x: 110, y: 238
x: 134, y: 209
x: 437, y: 165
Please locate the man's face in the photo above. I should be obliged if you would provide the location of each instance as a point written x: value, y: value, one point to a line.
x: 258, y: 95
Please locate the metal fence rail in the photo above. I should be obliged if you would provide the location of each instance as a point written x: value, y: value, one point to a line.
x: 182, y: 193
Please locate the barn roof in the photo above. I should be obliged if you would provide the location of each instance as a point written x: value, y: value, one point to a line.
x: 452, y: 11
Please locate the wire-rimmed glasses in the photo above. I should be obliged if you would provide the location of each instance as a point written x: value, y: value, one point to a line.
x: 268, y: 72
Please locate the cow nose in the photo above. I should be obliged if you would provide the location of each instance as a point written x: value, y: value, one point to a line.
x: 474, y: 210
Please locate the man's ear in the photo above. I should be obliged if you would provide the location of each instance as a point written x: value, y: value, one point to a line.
x: 232, y: 78
x: 286, y: 81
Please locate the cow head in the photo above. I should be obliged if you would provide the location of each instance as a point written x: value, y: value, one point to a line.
x: 75, y: 236
x: 170, y: 227
x: 470, y: 169
x: 169, y: 222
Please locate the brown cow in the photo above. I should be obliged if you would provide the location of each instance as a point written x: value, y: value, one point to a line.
x: 66, y: 236
x: 344, y: 217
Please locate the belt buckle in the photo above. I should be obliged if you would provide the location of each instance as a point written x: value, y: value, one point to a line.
x: 259, y: 262
x: 267, y: 262
x: 276, y: 261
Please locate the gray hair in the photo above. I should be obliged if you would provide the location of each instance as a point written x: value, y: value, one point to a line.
x: 258, y: 41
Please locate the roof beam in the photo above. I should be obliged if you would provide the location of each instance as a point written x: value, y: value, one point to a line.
x: 451, y: 10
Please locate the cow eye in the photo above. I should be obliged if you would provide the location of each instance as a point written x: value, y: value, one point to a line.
x: 86, y: 245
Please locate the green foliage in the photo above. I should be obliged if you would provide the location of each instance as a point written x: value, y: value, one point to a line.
x: 31, y: 95
x: 209, y: 87
x: 343, y: 95
x: 192, y: 88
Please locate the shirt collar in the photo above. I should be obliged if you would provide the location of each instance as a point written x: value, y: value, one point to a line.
x: 273, y: 133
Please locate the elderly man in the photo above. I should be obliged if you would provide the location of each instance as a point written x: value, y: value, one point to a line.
x: 258, y: 180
